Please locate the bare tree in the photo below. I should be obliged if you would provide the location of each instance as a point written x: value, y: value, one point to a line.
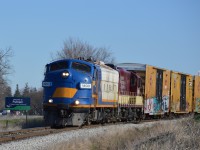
x: 74, y: 48
x: 5, y: 67
x: 5, y: 92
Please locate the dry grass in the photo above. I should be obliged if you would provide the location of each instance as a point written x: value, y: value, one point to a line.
x: 11, y: 123
x: 166, y: 135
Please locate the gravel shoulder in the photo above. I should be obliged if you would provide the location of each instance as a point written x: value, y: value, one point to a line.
x: 47, y: 142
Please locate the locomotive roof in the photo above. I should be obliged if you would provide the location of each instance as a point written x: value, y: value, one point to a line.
x: 98, y: 63
x: 103, y: 65
x: 74, y: 60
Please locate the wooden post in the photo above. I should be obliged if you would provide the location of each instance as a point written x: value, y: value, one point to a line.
x: 26, y: 120
x: 6, y: 123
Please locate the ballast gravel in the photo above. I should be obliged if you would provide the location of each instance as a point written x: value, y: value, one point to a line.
x: 43, y: 142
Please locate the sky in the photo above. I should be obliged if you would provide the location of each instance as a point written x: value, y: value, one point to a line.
x: 162, y: 33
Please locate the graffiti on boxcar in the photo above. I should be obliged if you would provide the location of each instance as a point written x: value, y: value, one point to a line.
x: 165, y: 103
x: 156, y: 106
x: 148, y: 106
x: 152, y: 106
x: 197, y: 106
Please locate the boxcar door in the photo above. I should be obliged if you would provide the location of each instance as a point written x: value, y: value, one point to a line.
x: 183, y: 93
x: 159, y: 85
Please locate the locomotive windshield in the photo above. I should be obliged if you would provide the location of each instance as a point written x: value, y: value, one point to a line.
x: 81, y: 67
x: 58, y: 66
x: 66, y: 65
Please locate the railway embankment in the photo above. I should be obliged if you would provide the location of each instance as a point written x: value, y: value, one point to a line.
x: 164, y: 134
x: 170, y: 134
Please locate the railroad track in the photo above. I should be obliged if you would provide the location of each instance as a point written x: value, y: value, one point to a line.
x: 34, y: 132
x: 28, y: 133
x: 42, y: 131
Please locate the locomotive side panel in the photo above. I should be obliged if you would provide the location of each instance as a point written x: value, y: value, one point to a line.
x: 109, y: 86
x: 136, y: 96
x: 124, y: 87
x: 124, y: 81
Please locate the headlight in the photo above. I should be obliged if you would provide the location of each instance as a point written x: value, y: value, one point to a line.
x: 65, y: 74
x: 77, y: 102
x: 50, y: 101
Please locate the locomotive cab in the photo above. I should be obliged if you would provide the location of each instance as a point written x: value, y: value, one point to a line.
x: 67, y: 90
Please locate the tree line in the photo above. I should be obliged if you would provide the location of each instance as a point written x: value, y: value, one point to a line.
x: 35, y: 98
x: 34, y: 94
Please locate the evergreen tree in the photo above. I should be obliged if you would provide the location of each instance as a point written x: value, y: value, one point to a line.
x: 33, y: 90
x: 26, y: 91
x: 17, y: 92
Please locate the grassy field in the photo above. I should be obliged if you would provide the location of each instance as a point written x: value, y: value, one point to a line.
x: 166, y: 135
x: 9, y: 123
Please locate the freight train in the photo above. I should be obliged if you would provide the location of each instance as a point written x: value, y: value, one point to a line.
x: 79, y: 92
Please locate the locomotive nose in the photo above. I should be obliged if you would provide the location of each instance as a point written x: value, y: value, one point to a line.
x: 65, y: 74
x: 58, y: 75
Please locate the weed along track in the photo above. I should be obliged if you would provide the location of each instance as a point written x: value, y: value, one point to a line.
x: 42, y: 131
x: 160, y: 138
x: 28, y: 133
x: 158, y: 134
x: 34, y: 132
x: 23, y: 134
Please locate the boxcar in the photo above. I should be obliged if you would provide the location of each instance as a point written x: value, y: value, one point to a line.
x: 181, y: 92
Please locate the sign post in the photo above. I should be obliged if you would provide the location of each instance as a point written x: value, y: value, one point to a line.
x: 18, y: 103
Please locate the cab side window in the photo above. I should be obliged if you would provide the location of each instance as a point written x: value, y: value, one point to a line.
x: 81, y: 67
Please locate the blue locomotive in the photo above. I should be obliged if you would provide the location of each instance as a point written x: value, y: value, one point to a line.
x: 77, y: 92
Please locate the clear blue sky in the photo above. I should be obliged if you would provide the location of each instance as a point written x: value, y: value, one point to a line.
x: 163, y: 33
